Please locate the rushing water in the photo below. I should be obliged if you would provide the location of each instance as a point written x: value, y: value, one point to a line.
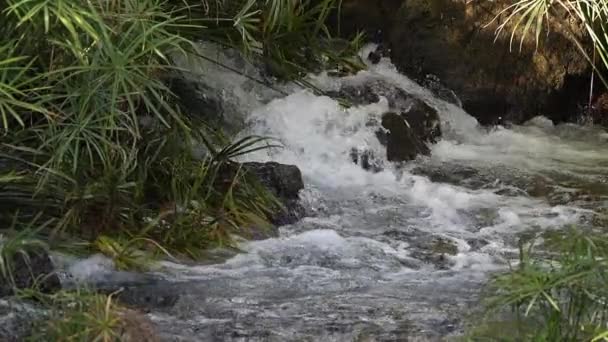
x: 389, y: 256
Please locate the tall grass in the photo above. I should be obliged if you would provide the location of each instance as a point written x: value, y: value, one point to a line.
x: 93, y: 139
x: 557, y: 292
x: 79, y: 316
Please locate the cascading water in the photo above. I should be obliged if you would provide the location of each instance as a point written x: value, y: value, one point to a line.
x: 388, y: 256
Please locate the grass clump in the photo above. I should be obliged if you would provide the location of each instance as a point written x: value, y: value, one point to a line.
x: 93, y: 139
x: 24, y: 261
x: 87, y: 316
x: 555, y: 293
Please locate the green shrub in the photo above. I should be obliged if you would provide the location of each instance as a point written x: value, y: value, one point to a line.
x: 93, y: 139
x: 555, y: 293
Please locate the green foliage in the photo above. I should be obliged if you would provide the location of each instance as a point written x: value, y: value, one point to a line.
x: 18, y: 240
x: 555, y: 293
x: 290, y: 36
x: 532, y: 16
x: 92, y: 138
x: 128, y: 255
x: 78, y: 316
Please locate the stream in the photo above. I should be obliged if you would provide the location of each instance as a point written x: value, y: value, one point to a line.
x: 395, y: 255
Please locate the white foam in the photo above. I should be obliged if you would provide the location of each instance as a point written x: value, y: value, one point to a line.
x: 318, y: 136
x: 93, y: 268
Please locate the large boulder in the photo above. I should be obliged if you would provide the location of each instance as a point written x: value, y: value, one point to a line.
x: 32, y: 268
x: 285, y: 183
x: 406, y: 130
x: 455, y: 41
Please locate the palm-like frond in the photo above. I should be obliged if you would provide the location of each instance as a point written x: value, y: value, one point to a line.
x: 533, y: 16
x: 17, y: 87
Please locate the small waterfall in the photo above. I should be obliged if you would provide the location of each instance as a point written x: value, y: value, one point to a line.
x: 393, y: 255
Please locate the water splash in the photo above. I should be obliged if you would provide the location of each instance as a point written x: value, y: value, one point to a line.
x: 392, y: 255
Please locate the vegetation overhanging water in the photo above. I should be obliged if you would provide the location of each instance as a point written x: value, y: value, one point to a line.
x: 96, y: 147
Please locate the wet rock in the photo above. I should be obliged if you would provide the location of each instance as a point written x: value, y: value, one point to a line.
x: 146, y: 297
x: 598, y: 113
x: 204, y: 102
x: 539, y: 187
x: 283, y: 181
x: 17, y: 319
x: 32, y: 269
x: 401, y: 143
x: 455, y: 40
x: 197, y: 99
x: 434, y: 250
x: 423, y: 119
x: 356, y: 95
x: 443, y: 246
x: 450, y: 173
x: 427, y: 248
x: 477, y: 244
x: 434, y: 84
x: 405, y: 130
x: 374, y: 57
x: 485, y: 217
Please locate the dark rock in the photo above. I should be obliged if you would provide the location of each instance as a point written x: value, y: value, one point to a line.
x: 455, y: 40
x: 219, y: 109
x: 427, y: 248
x: 148, y: 297
x: 34, y: 269
x: 283, y: 181
x: 434, y: 250
x: 197, y: 100
x: 434, y: 84
x: 356, y: 95
x: 477, y: 244
x: 598, y: 113
x: 452, y: 173
x: 423, y: 119
x: 539, y: 187
x: 406, y: 130
x: 401, y: 143
x: 374, y: 57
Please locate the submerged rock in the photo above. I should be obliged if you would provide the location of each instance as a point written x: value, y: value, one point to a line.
x: 32, y: 269
x: 148, y: 297
x: 366, y: 159
x: 434, y: 250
